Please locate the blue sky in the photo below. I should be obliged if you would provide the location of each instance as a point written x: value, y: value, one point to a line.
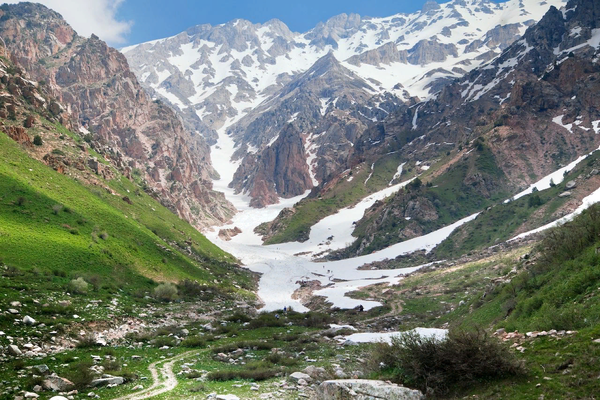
x: 125, y: 22
x: 153, y: 19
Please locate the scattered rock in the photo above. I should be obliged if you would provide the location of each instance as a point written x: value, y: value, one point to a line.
x: 365, y: 389
x: 27, y: 320
x: 316, y: 373
x: 107, y: 380
x: 42, y: 369
x: 58, y: 398
x: 13, y: 311
x: 296, y: 376
x: 57, y: 383
x: 570, y: 185
x: 227, y: 397
x: 14, y: 350
x: 564, y: 194
x: 30, y: 395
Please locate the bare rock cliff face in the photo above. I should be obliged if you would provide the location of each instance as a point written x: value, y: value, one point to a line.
x: 98, y: 92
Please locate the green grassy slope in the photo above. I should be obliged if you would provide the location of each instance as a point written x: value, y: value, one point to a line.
x: 50, y: 222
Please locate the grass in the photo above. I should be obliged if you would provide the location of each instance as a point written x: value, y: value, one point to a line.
x: 121, y: 242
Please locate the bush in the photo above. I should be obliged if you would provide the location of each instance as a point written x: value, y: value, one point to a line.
x: 194, y: 341
x: 80, y: 374
x: 57, y: 208
x: 78, y: 286
x: 37, y: 140
x: 165, y: 292
x: 437, y: 367
x: 87, y: 341
x: 259, y: 374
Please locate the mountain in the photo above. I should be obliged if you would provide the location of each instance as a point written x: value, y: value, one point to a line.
x: 492, y: 133
x: 96, y: 94
x: 250, y: 80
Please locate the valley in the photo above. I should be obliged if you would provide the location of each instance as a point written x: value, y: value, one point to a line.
x: 393, y: 206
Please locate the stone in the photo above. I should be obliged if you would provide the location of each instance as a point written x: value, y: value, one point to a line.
x: 58, y: 398
x: 349, y: 342
x: 227, y: 397
x: 365, y: 389
x: 42, y: 369
x: 109, y: 380
x: 27, y: 320
x: 15, y: 304
x: 570, y: 185
x: 316, y: 373
x: 564, y: 194
x: 14, y: 350
x: 13, y: 311
x: 296, y: 376
x: 138, y: 387
x: 57, y: 383
x: 31, y: 395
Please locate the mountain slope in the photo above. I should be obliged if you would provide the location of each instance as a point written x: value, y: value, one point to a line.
x: 97, y: 93
x: 231, y: 76
x: 534, y: 108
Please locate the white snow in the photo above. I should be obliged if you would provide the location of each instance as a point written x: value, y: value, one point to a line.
x: 556, y: 177
x: 374, y: 337
x: 398, y: 173
x: 558, y: 120
x: 596, y: 126
x: 586, y: 203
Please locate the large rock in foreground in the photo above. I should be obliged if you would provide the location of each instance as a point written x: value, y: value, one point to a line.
x: 365, y: 389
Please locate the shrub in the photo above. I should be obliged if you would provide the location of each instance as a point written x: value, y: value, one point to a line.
x: 87, y: 341
x: 57, y: 208
x: 165, y: 292
x: 438, y: 366
x: 80, y: 374
x: 194, y: 341
x: 79, y: 286
x: 37, y: 140
x: 259, y: 374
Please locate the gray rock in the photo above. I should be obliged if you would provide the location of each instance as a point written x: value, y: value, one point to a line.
x: 57, y: 383
x: 42, y: 369
x: 14, y: 350
x: 564, y: 194
x: 365, y: 389
x: 349, y: 342
x: 296, y: 376
x: 316, y: 373
x: 27, y: 320
x: 15, y: 304
x: 31, y: 395
x: 111, y: 380
x: 227, y: 397
x: 13, y: 311
x: 570, y: 185
x: 58, y: 398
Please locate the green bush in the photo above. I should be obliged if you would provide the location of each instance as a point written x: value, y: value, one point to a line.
x: 194, y: 341
x: 437, y: 366
x: 79, y: 286
x: 37, y: 140
x: 165, y: 292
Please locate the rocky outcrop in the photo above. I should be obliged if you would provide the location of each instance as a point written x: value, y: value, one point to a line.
x: 97, y: 92
x: 280, y: 169
x: 364, y: 389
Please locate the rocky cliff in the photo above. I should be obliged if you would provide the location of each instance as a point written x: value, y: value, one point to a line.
x: 100, y: 97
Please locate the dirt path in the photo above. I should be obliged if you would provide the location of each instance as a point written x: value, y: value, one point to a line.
x: 163, y: 378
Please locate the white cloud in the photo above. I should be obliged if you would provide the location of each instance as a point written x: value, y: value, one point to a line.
x: 91, y: 16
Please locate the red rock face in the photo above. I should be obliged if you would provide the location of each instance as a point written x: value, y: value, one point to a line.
x: 97, y: 90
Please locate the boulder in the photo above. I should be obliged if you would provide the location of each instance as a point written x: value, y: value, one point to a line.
x: 365, y: 389
x: 31, y: 395
x: 108, y: 380
x: 14, y: 350
x: 570, y: 185
x: 58, y: 398
x: 316, y: 373
x: 27, y: 320
x: 57, y: 383
x: 227, y: 397
x: 296, y: 376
